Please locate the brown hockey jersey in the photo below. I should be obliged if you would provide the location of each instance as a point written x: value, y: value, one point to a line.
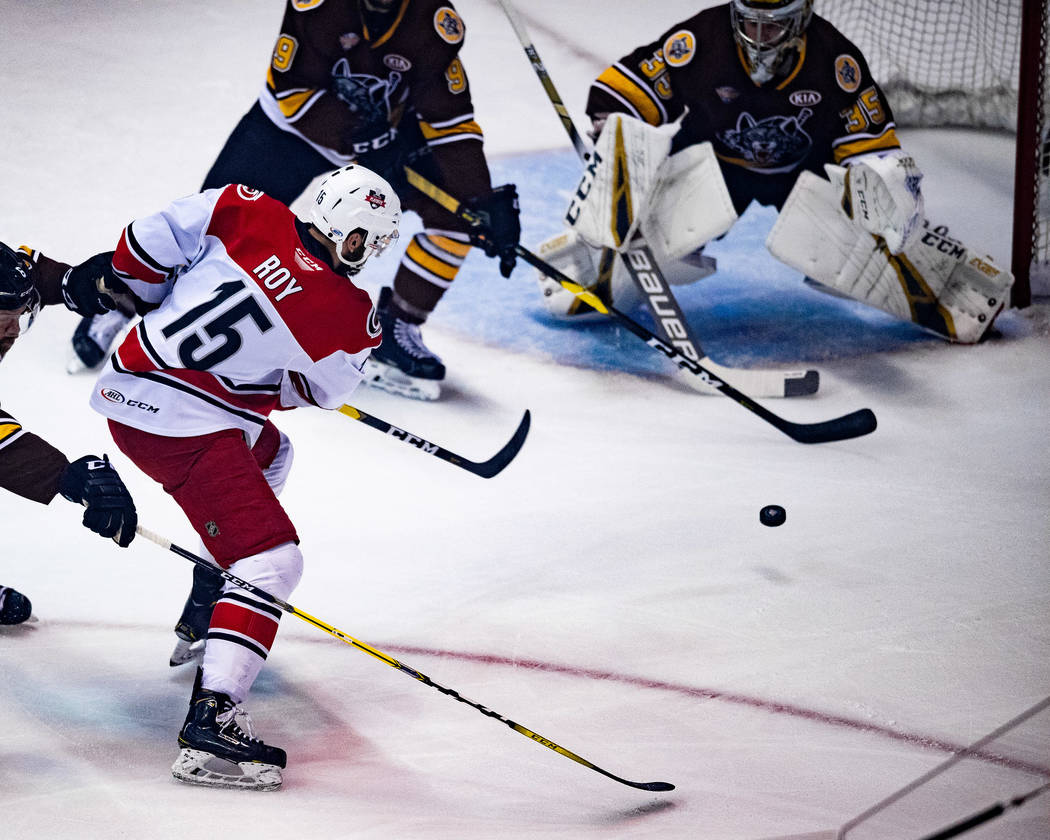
x: 824, y: 107
x: 29, y: 465
x: 342, y: 79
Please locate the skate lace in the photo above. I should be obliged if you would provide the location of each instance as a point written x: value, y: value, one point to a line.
x: 239, y: 719
x: 410, y: 340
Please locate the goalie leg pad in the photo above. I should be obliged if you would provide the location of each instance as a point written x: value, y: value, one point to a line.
x: 690, y: 206
x: 935, y: 282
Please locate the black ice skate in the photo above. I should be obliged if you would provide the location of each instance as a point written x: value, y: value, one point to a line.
x: 218, y: 752
x: 93, y: 338
x: 14, y: 606
x: 192, y: 626
x: 402, y: 364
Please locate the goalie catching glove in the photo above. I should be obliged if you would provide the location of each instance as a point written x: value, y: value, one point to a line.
x: 500, y: 230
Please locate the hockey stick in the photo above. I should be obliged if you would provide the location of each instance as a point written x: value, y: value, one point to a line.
x: 855, y: 424
x: 389, y: 660
x: 486, y: 469
x: 663, y: 305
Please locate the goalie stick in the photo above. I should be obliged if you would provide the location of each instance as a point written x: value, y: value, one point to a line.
x: 855, y: 424
x: 486, y: 469
x: 389, y: 660
x: 663, y: 305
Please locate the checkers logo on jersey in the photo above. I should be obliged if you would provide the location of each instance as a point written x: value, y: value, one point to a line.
x: 448, y: 25
x: 247, y: 193
x: 847, y: 73
x: 680, y: 48
x: 373, y: 326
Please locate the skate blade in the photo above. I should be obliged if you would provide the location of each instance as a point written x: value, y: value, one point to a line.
x: 187, y: 652
x: 197, y: 767
x: 388, y: 378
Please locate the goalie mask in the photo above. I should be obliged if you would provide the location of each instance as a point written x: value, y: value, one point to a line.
x: 766, y: 31
x: 17, y: 290
x: 359, y: 212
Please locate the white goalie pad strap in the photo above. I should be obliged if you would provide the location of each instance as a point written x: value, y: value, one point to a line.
x: 690, y: 205
x: 935, y: 282
x: 622, y: 174
x: 883, y: 196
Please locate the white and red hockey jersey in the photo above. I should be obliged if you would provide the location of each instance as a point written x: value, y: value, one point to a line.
x: 249, y: 321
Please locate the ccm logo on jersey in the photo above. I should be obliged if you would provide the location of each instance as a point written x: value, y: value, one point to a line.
x: 273, y: 274
x: 117, y: 397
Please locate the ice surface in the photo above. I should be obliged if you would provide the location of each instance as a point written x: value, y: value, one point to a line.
x: 613, y: 589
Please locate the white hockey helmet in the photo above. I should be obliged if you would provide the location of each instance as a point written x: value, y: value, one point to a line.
x: 357, y: 210
x: 765, y: 30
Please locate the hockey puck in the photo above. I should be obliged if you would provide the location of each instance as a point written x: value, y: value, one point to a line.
x: 772, y: 515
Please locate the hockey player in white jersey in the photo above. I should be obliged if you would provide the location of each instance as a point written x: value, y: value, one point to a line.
x: 250, y: 309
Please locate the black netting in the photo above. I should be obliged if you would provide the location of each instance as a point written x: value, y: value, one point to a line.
x: 941, y: 62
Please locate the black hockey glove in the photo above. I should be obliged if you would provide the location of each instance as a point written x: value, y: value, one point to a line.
x: 500, y: 229
x: 94, y: 483
x: 88, y: 287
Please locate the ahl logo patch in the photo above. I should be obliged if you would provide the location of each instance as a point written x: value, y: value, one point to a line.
x: 349, y: 40
x: 448, y: 25
x: 727, y: 94
x: 847, y: 73
x: 211, y: 528
x: 680, y: 48
x: 112, y: 395
x: 376, y: 199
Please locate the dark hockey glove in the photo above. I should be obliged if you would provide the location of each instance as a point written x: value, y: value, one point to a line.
x: 89, y: 288
x: 94, y: 483
x: 500, y: 229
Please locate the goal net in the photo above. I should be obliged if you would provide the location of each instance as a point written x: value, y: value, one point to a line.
x: 974, y: 63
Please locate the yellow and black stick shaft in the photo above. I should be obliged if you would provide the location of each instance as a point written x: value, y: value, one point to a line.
x: 855, y: 424
x: 342, y: 636
x: 520, y: 30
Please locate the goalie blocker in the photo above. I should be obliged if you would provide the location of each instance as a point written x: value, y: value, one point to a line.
x: 935, y: 281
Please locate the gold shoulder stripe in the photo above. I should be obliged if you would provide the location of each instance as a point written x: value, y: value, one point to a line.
x: 634, y: 93
x: 8, y: 429
x: 292, y: 103
x: 465, y: 127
